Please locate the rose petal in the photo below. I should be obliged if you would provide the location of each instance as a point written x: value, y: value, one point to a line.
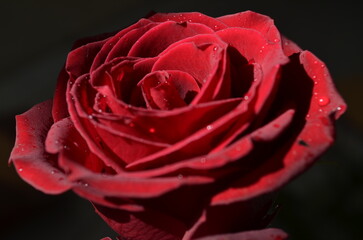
x: 142, y: 226
x: 189, y: 17
x: 168, y: 89
x: 248, y: 19
x: 110, y: 43
x: 201, y: 62
x: 312, y: 133
x: 160, y: 37
x: 33, y: 164
x: 264, y: 234
x: 151, y: 124
x: 289, y: 47
x: 126, y: 42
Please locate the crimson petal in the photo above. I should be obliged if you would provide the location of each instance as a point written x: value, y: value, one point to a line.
x: 33, y: 163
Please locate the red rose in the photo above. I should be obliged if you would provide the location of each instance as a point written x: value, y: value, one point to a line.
x: 181, y: 126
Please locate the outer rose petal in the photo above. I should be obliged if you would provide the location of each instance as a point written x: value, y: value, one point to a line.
x: 154, y: 225
x: 264, y: 234
x: 312, y: 134
x: 33, y: 164
x: 189, y: 17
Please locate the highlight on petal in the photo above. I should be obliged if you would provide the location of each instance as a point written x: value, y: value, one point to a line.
x: 248, y: 19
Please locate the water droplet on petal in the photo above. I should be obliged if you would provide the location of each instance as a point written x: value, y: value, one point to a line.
x: 246, y: 97
x: 90, y: 116
x: 202, y: 160
x: 314, y: 77
x: 151, y: 130
x: 323, y: 101
x: 209, y: 127
x: 20, y: 169
x: 276, y: 40
x: 180, y: 176
x: 215, y: 49
x: 99, y: 110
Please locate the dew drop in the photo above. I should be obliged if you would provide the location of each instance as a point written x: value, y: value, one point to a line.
x: 99, y: 110
x: 52, y: 172
x: 323, y: 101
x: 339, y: 108
x: 209, y: 127
x: 20, y: 169
x: 180, y: 176
x: 307, y: 115
x: 90, y: 116
x: 203, y: 160
x: 65, y: 147
x: 246, y: 97
x: 151, y: 130
x: 276, y: 40
x: 322, y: 66
x: 315, y: 62
x: 314, y: 76
x: 215, y: 49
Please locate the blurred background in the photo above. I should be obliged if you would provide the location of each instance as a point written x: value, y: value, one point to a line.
x: 324, y: 203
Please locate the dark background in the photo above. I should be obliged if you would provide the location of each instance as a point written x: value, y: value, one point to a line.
x: 324, y: 203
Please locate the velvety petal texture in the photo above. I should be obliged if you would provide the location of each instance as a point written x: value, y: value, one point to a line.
x: 181, y: 126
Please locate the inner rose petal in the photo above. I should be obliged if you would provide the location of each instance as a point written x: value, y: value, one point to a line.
x: 168, y: 89
x: 200, y: 61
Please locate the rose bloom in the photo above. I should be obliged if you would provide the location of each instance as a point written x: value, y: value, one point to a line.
x: 181, y: 126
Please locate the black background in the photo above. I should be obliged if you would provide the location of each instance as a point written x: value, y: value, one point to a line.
x: 324, y: 203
